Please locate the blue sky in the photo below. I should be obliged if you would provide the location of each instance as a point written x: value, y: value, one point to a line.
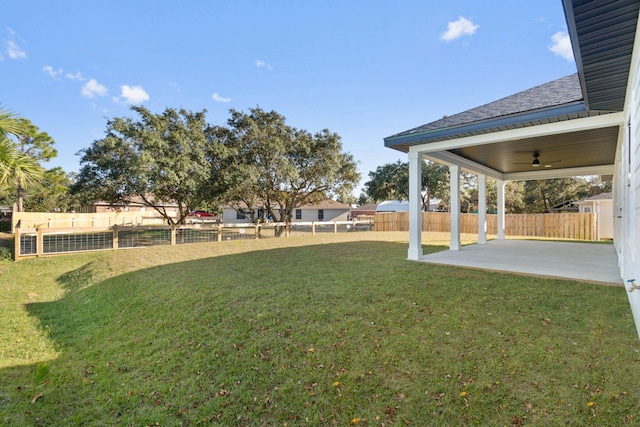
x: 363, y: 69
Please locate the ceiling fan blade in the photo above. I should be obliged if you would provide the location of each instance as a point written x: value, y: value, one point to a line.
x: 541, y: 162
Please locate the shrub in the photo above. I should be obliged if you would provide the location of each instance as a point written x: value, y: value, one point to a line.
x: 5, y: 254
x: 5, y: 226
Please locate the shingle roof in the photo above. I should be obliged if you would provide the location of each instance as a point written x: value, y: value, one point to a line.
x: 559, y: 92
x: 601, y: 196
x: 367, y: 207
x: 325, y: 204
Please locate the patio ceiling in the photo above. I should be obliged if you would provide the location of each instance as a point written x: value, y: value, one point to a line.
x: 571, y: 150
x: 573, y: 123
x: 564, y: 149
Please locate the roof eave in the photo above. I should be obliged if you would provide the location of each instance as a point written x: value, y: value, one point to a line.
x: 577, y: 54
x: 452, y: 132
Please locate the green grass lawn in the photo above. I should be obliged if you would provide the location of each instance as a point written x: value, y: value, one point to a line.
x: 325, y: 330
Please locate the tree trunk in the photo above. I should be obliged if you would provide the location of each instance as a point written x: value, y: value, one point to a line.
x: 20, y: 196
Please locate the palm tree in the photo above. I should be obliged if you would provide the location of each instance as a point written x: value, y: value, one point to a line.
x: 9, y: 123
x: 8, y: 152
x: 15, y: 166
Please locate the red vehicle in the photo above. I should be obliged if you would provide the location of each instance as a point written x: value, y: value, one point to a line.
x: 201, y: 214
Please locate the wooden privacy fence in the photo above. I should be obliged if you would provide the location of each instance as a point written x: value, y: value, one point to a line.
x: 579, y: 226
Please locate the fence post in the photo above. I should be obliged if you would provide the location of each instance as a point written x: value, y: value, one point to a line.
x: 16, y: 244
x: 313, y: 228
x: 115, y: 237
x: 257, y: 232
x: 220, y: 232
x: 173, y: 234
x: 39, y: 242
x: 335, y: 227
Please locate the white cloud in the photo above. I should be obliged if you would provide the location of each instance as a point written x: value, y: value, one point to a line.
x: 218, y: 98
x: 133, y: 95
x: 92, y: 88
x: 562, y: 45
x: 263, y: 65
x: 459, y: 28
x: 11, y: 46
x: 14, y: 51
x: 52, y: 73
x: 76, y: 76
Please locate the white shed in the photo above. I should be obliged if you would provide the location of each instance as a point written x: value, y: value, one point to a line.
x: 403, y: 205
x: 602, y: 206
x: 393, y: 206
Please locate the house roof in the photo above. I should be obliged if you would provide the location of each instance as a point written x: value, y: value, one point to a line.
x: 325, y: 204
x: 572, y: 123
x: 367, y: 207
x: 136, y: 201
x: 601, y: 196
x: 602, y: 34
x: 561, y: 92
x: 556, y: 101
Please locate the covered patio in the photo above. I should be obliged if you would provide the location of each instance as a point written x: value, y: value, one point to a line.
x: 586, y: 262
x: 572, y: 126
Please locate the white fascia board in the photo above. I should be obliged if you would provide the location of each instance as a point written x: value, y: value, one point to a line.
x: 566, y: 126
x: 560, y: 173
x: 469, y: 166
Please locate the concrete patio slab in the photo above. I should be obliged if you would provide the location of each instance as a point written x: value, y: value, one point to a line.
x: 567, y: 260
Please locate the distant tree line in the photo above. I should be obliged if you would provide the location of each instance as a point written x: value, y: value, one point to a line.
x: 256, y: 163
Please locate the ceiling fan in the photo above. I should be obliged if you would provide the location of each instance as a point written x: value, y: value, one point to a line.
x: 536, y: 161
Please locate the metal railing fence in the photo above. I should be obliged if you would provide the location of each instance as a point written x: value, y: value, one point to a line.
x: 42, y: 241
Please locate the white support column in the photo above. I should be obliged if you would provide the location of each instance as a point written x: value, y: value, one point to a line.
x: 482, y: 209
x: 415, y: 206
x: 500, y: 184
x: 454, y: 172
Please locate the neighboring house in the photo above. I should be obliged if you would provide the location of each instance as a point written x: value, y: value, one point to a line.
x: 602, y: 206
x: 136, y: 205
x: 564, y: 207
x: 364, y: 210
x: 5, y: 211
x: 328, y: 210
x: 587, y: 123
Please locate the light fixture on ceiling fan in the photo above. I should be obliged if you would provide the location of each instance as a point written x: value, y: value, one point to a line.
x: 536, y: 161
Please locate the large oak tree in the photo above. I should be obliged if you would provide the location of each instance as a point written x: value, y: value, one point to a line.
x: 274, y: 168
x: 155, y: 159
x: 391, y: 182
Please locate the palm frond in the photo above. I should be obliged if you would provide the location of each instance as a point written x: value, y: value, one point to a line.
x: 9, y: 122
